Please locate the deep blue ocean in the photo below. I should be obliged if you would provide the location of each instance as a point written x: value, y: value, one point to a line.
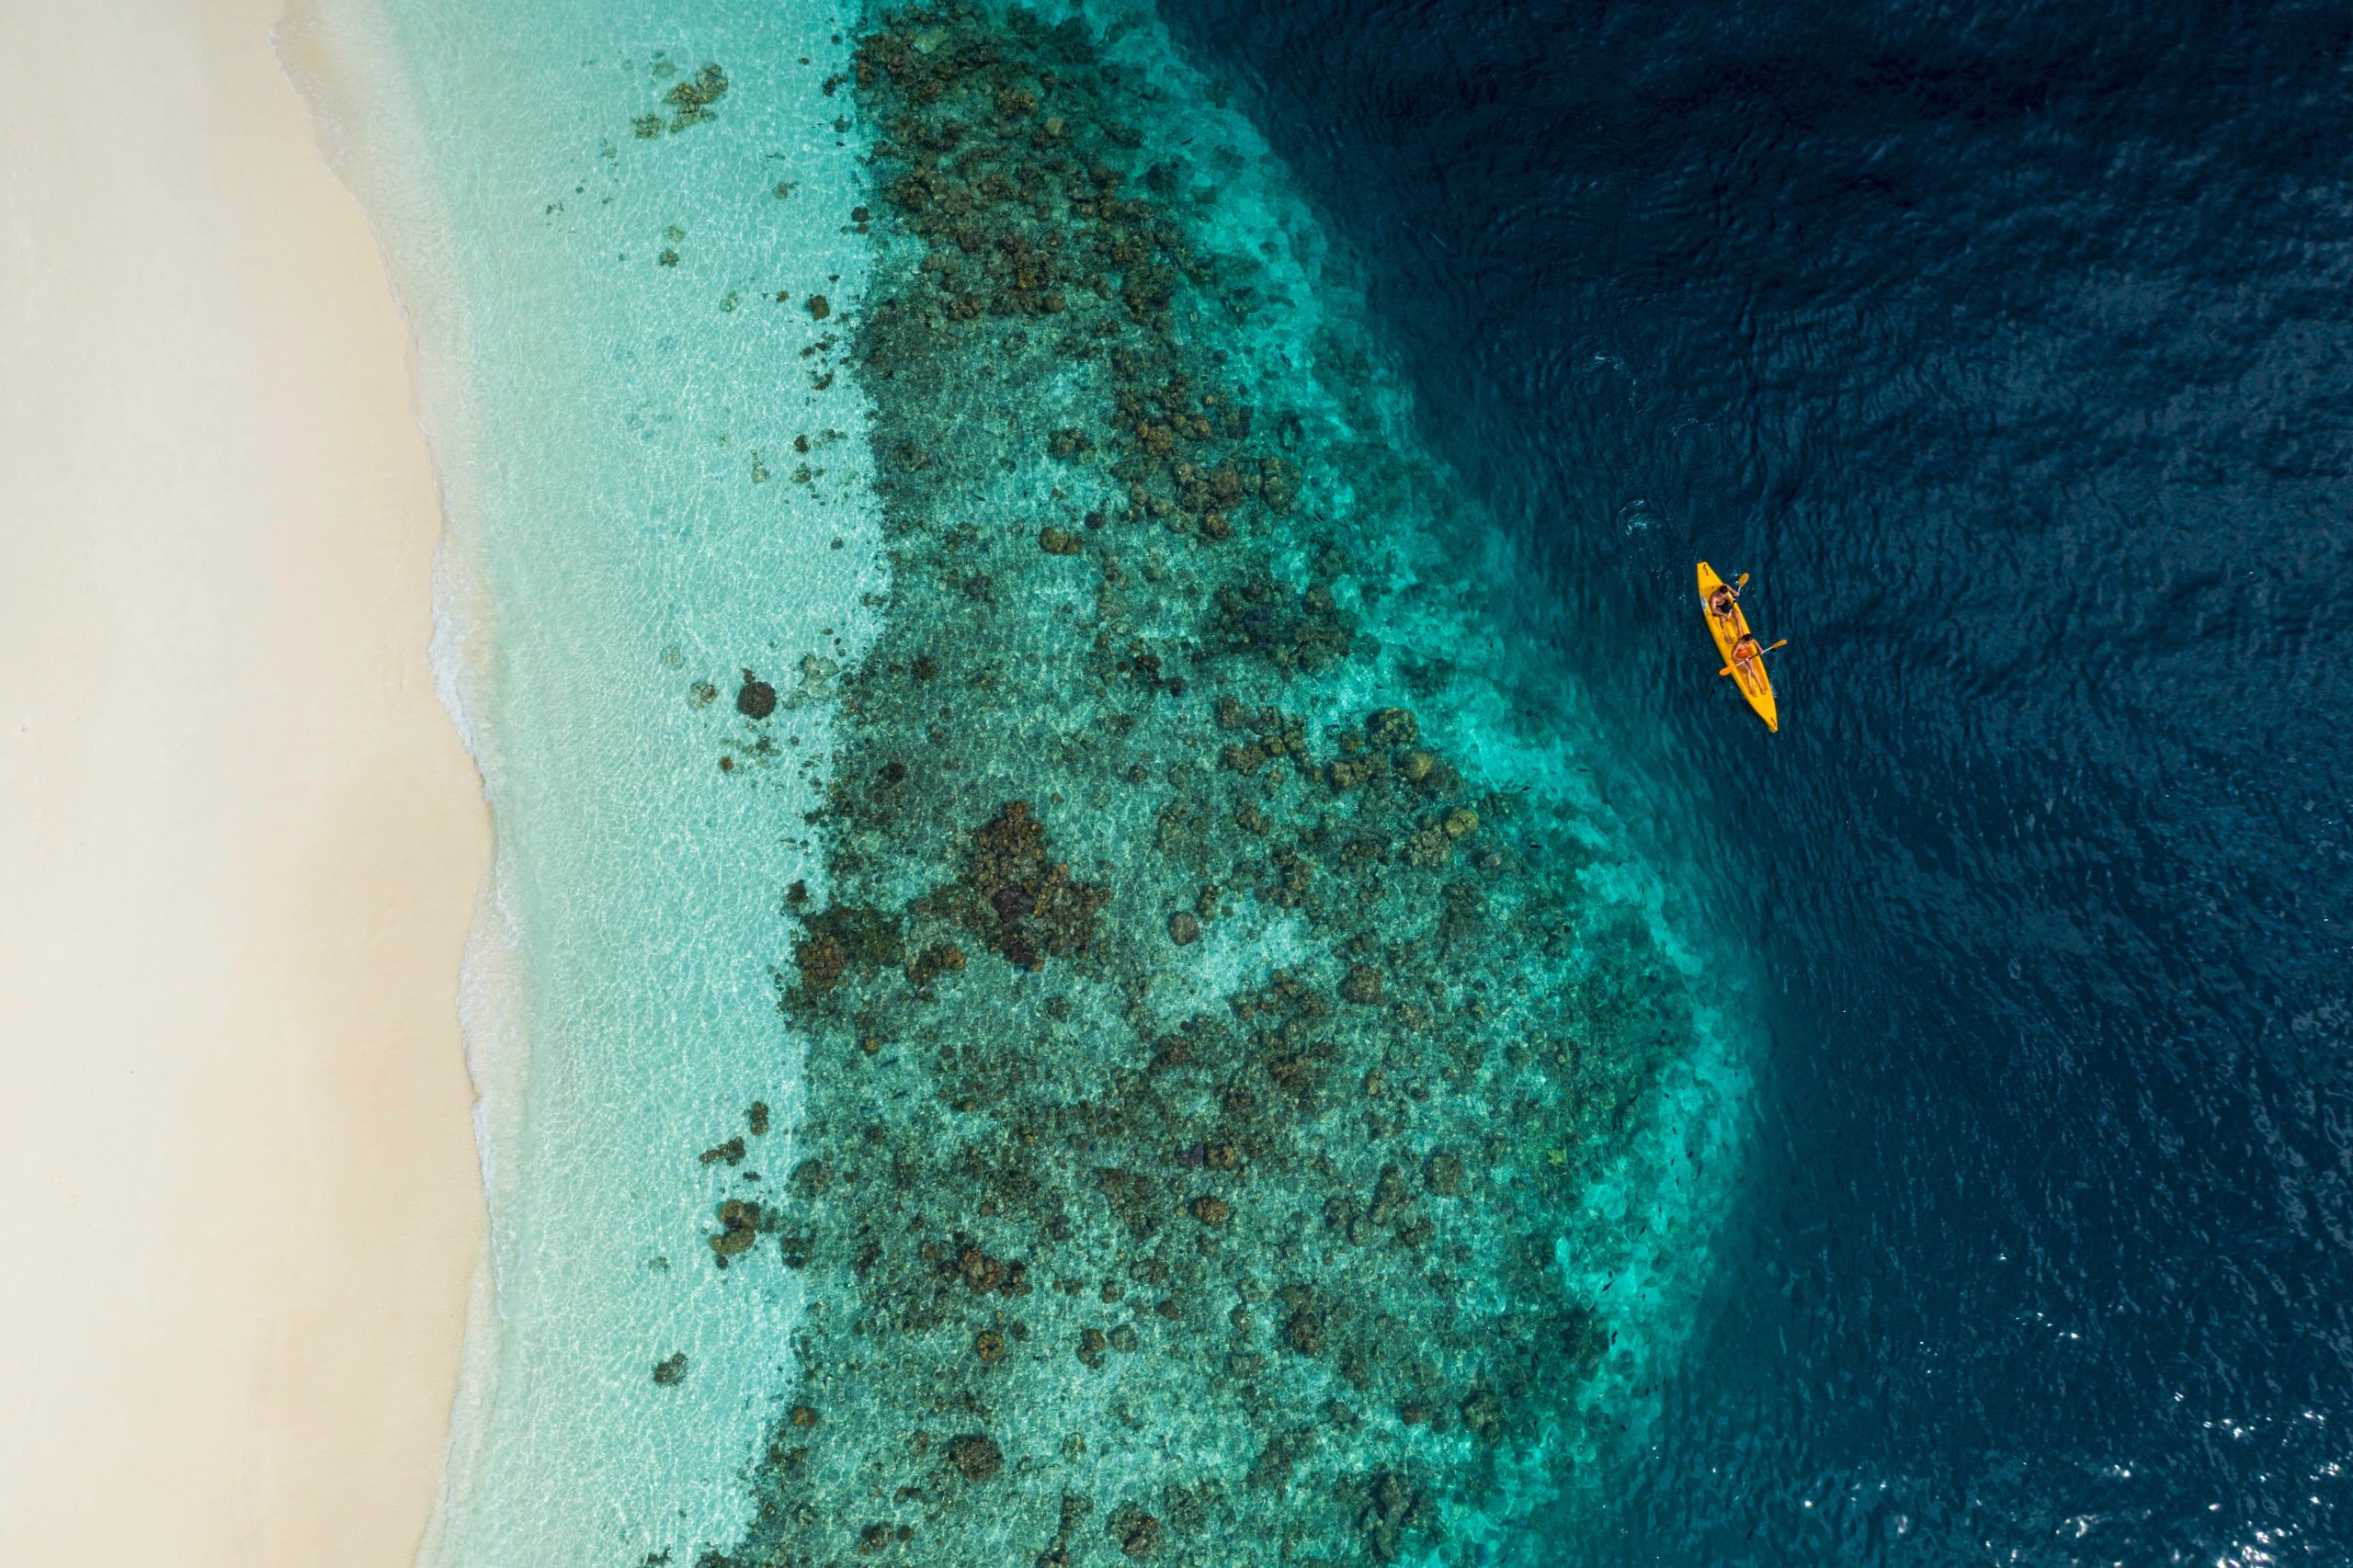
x: 2010, y: 347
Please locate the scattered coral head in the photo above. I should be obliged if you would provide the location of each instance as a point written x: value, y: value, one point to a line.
x: 842, y: 939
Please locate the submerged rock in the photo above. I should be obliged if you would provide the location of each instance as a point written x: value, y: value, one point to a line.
x: 844, y: 939
x: 692, y: 100
x: 1134, y: 1532
x: 976, y: 1457
x: 756, y: 698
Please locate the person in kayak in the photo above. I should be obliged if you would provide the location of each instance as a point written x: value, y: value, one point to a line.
x: 1748, y: 658
x: 1720, y: 602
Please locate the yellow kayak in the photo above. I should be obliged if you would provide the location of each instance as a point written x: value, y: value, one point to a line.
x: 1755, y: 684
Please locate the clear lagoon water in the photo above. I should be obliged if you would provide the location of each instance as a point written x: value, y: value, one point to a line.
x: 1130, y: 924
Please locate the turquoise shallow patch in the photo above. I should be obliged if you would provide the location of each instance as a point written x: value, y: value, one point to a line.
x: 649, y: 495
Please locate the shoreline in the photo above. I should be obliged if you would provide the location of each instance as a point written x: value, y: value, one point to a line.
x: 249, y: 843
x: 577, y: 1301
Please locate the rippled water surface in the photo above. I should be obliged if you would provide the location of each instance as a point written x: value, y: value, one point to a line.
x: 2008, y: 346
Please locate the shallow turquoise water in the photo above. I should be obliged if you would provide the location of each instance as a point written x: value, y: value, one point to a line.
x: 597, y: 419
x: 618, y: 351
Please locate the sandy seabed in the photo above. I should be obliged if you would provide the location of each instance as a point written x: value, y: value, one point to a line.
x: 239, y: 839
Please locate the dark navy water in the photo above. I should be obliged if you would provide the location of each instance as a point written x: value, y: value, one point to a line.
x: 2011, y: 347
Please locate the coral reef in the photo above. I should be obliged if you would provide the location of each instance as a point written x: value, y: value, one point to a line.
x: 1202, y: 1060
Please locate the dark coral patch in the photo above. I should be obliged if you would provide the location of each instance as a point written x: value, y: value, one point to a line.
x: 976, y: 1457
x: 1024, y: 904
x: 756, y: 698
x: 844, y: 939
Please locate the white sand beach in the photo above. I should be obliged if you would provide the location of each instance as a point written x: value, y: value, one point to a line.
x: 240, y: 843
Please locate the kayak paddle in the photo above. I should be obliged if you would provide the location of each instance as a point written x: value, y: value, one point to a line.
x: 1760, y: 653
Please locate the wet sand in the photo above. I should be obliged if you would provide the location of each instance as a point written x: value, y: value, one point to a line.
x: 241, y: 841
